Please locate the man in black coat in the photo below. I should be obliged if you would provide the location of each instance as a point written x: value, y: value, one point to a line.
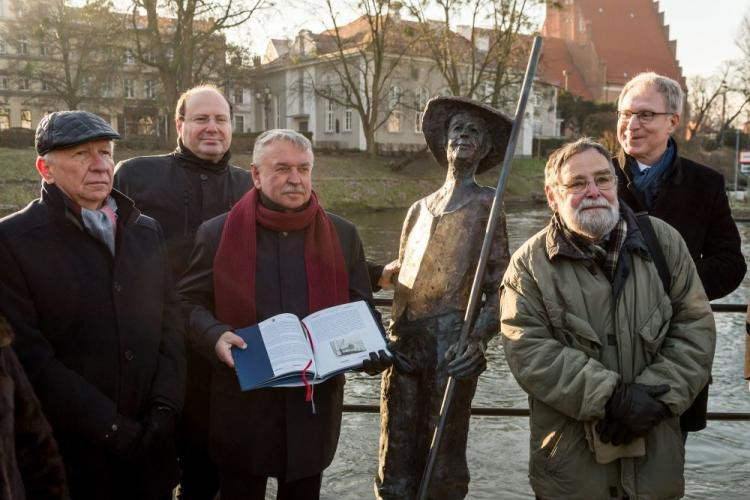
x: 653, y: 177
x: 277, y: 251
x: 98, y: 326
x: 181, y: 190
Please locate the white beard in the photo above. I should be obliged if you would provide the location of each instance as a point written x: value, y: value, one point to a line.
x: 593, y: 224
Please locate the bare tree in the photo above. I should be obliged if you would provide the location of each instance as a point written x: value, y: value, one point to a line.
x: 363, y: 62
x: 184, y: 40
x: 66, y: 48
x: 475, y: 59
x: 703, y: 96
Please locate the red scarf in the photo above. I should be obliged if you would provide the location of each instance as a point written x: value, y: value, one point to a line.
x: 234, y: 263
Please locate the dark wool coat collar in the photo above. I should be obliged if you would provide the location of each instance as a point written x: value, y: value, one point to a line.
x: 61, y: 206
x: 188, y: 159
x: 674, y: 174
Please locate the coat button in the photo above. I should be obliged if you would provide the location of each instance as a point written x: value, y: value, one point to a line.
x: 129, y: 355
x: 117, y: 286
x: 204, y: 177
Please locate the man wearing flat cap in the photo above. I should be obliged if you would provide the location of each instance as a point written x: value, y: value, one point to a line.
x: 98, y: 327
x: 440, y: 245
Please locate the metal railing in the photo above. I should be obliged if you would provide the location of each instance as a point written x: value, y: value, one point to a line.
x: 524, y: 412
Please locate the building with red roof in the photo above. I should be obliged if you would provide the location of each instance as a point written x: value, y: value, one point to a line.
x: 593, y: 47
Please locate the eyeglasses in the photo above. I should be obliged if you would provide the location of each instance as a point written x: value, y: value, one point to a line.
x: 643, y: 116
x: 603, y: 182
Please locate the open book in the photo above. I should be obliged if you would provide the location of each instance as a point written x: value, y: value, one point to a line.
x: 286, y: 351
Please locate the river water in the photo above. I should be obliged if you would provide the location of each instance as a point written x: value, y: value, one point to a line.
x: 718, y: 458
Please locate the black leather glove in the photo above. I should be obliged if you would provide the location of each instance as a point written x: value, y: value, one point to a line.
x: 158, y: 430
x: 635, y: 406
x: 470, y: 364
x: 613, y: 431
x: 377, y: 363
x: 124, y: 436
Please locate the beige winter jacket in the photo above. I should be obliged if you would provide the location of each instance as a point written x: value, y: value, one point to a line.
x: 569, y: 337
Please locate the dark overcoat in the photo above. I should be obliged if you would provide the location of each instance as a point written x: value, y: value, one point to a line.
x: 181, y: 191
x: 99, y: 336
x: 273, y: 431
x: 692, y: 199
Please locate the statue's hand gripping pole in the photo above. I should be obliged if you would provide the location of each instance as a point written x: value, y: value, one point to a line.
x: 476, y: 286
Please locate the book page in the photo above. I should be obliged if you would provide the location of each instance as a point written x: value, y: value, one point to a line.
x: 286, y: 344
x: 343, y: 336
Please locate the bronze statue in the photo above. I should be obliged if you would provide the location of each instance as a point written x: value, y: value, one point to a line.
x: 440, y: 245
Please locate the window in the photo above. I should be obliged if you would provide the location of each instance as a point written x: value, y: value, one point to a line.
x: 24, y: 84
x: 239, y: 124
x: 45, y: 86
x: 238, y: 96
x: 44, y: 50
x: 3, y: 83
x: 129, y: 57
x: 149, y: 89
x: 4, y: 118
x: 25, y: 118
x: 394, y: 97
x: 146, y: 126
x: 421, y: 102
x: 108, y: 88
x: 348, y: 120
x: 23, y: 46
x: 394, y: 122
x: 445, y: 92
x: 129, y: 88
x: 2, y: 46
x: 85, y: 85
x: 329, y: 116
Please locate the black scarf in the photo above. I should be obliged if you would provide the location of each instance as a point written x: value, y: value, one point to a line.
x: 191, y: 161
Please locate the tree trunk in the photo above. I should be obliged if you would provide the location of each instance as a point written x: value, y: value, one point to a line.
x: 372, y: 146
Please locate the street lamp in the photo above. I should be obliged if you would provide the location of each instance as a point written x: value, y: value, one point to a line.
x: 264, y: 97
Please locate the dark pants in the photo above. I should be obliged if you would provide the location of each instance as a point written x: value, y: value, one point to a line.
x: 246, y: 487
x: 200, y: 475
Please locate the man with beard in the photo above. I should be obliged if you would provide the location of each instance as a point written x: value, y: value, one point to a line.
x: 181, y: 190
x: 608, y: 355
x: 440, y: 245
x: 653, y: 177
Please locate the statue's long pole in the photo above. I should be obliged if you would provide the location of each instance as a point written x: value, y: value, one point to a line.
x: 497, y: 206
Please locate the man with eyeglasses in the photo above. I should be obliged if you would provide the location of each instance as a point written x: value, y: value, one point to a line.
x: 181, y: 190
x: 608, y: 356
x: 653, y: 177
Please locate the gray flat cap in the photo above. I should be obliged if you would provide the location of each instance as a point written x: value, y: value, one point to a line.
x: 65, y: 129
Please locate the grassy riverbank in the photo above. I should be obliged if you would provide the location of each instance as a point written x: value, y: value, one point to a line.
x: 346, y: 180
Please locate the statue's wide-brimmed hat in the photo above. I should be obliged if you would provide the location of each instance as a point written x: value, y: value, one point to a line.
x: 440, y: 110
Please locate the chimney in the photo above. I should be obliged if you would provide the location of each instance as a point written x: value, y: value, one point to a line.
x: 256, y: 61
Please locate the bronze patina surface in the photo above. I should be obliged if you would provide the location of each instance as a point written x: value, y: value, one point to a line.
x: 440, y: 246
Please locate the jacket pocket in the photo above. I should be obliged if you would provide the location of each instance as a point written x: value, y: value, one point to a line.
x: 574, y: 332
x: 577, y: 333
x: 654, y: 327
